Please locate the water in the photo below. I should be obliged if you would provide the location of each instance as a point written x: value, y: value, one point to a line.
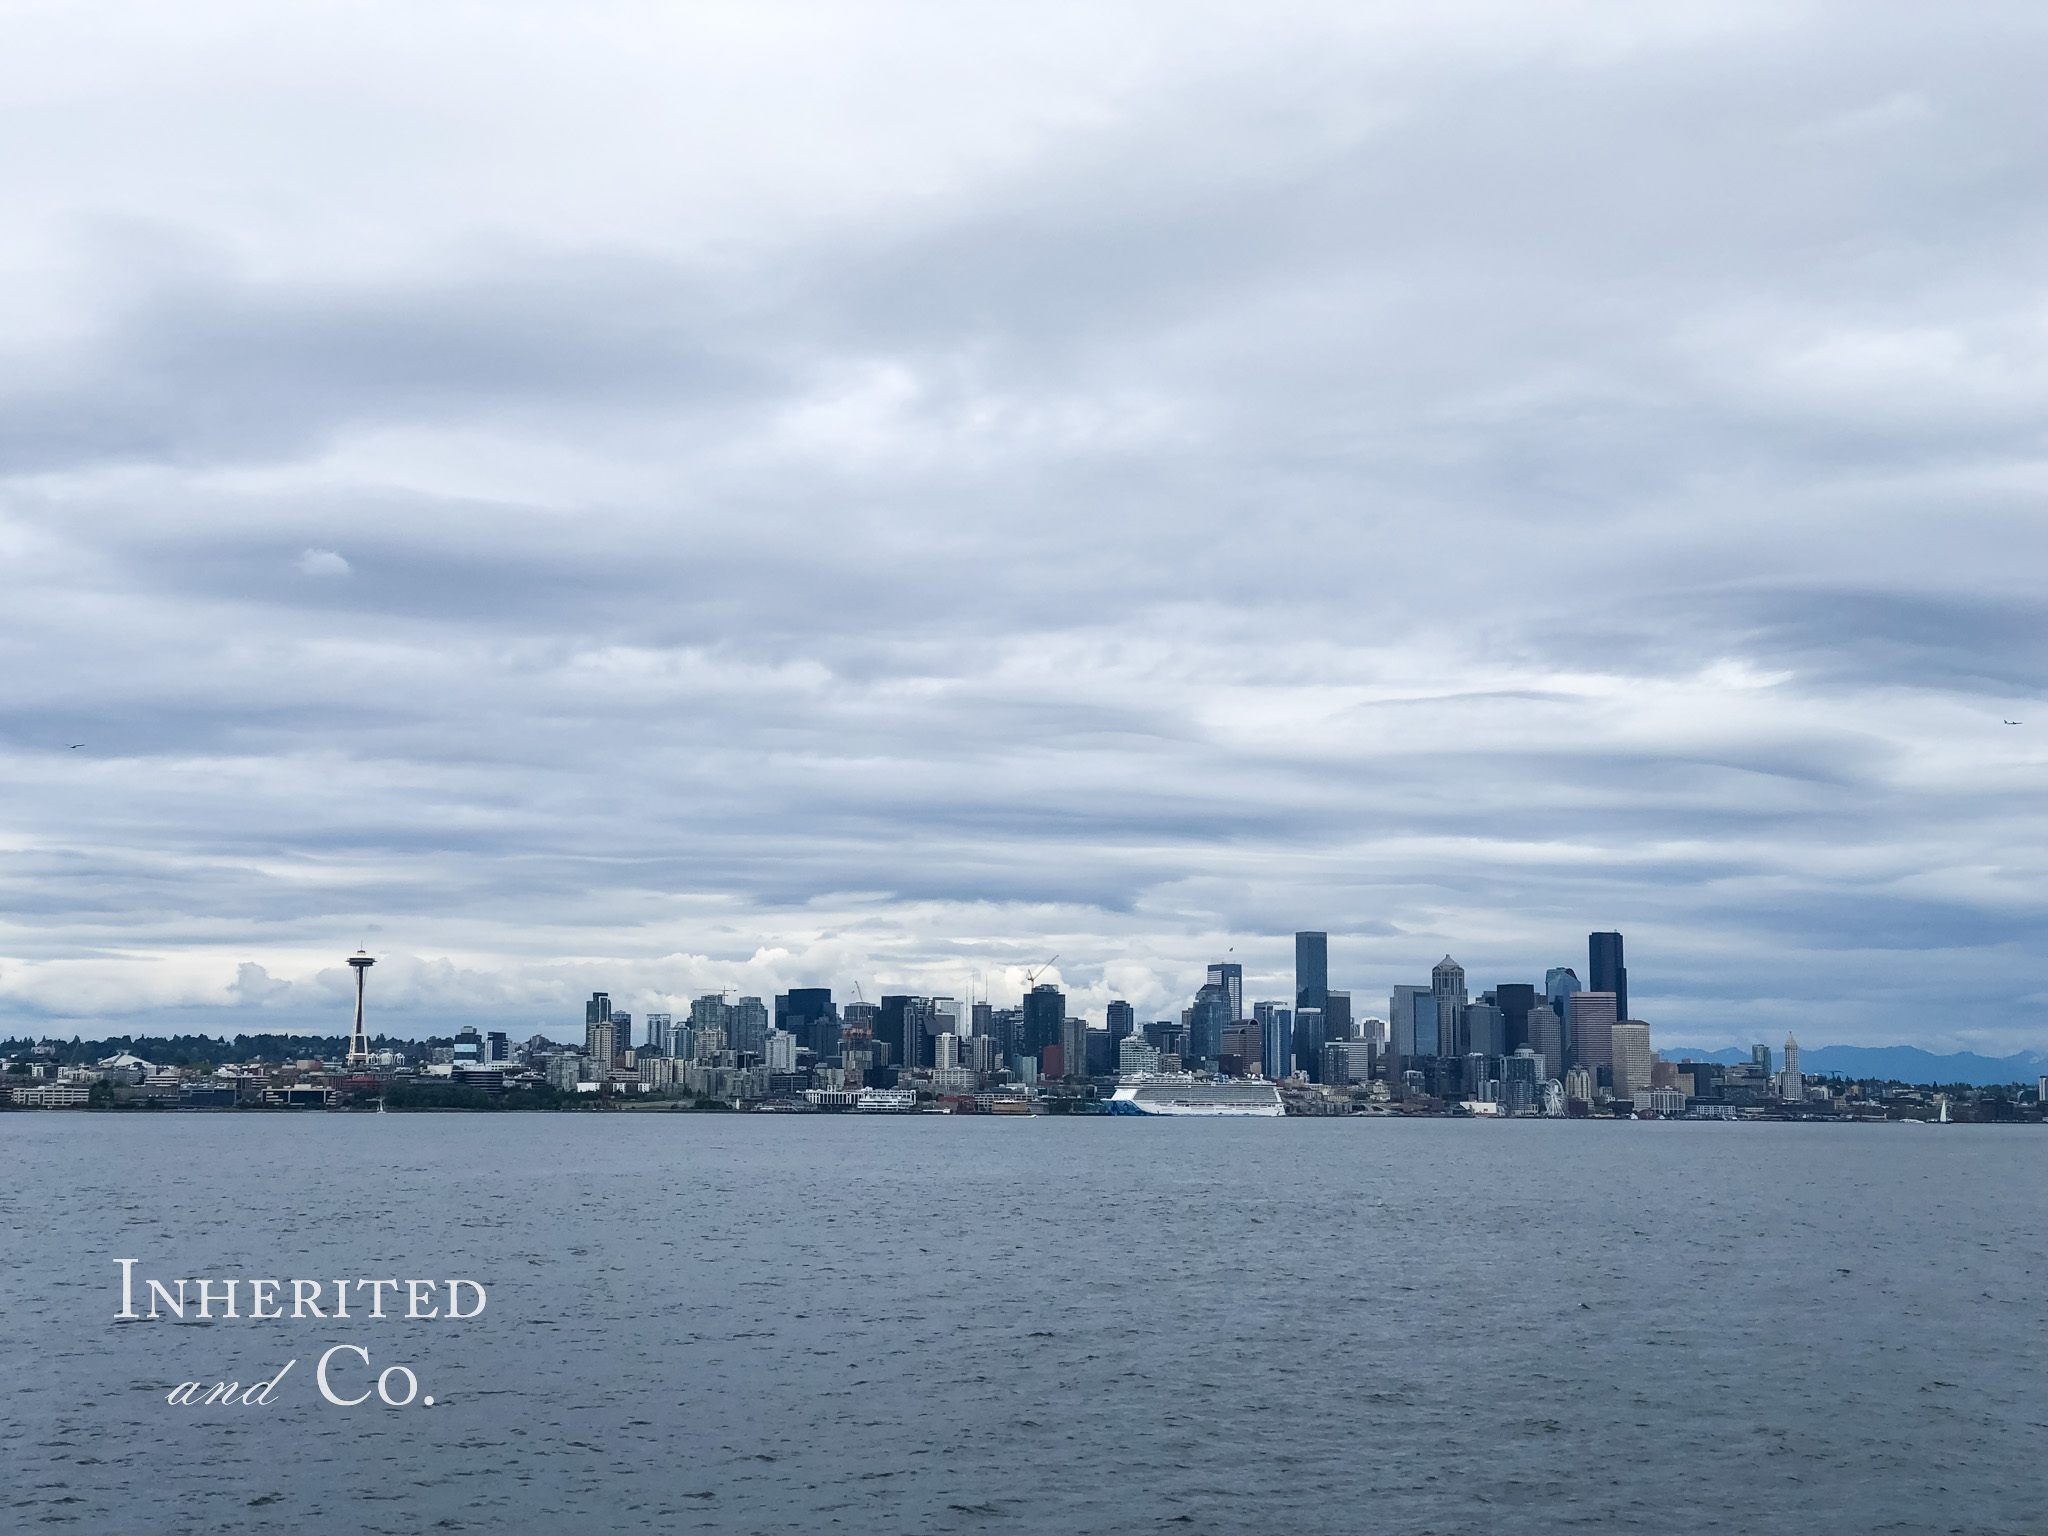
x: 771, y: 1323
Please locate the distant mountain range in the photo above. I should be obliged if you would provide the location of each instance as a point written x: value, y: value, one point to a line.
x: 1905, y: 1063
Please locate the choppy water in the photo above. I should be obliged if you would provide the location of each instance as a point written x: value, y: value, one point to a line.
x: 781, y: 1324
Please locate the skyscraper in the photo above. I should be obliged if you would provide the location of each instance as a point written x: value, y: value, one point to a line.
x: 1230, y: 977
x: 1074, y: 1046
x: 807, y: 1013
x: 1207, y: 1021
x: 1590, y: 1025
x: 1482, y: 1028
x: 1607, y: 973
x: 1276, y: 1038
x: 1546, y: 1038
x: 889, y: 1028
x: 747, y: 1025
x: 1309, y: 1041
x: 1045, y: 1013
x: 1447, y: 979
x: 1559, y: 983
x: 1123, y: 1019
x: 1311, y: 970
x: 1790, y: 1084
x: 1632, y: 1065
x: 1337, y: 1021
x: 1514, y: 999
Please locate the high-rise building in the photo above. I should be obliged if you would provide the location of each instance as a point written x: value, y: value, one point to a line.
x: 1276, y: 1038
x: 1230, y: 977
x: 1434, y: 1025
x: 1790, y: 1084
x: 1604, y: 969
x: 599, y: 1045
x: 945, y: 1051
x: 1309, y: 1040
x: 747, y: 1025
x: 1447, y: 979
x: 1207, y: 1020
x: 809, y: 1014
x: 1167, y: 1037
x: 497, y: 1046
x: 1514, y: 1000
x: 660, y: 1034
x: 1521, y: 1078
x: 622, y: 1031
x: 1045, y: 1013
x: 780, y: 1055
x: 1134, y: 1055
x: 1401, y: 1026
x: 1337, y: 1022
x: 1546, y: 1038
x: 1760, y: 1057
x: 1123, y: 1019
x: 1482, y: 1028
x: 1559, y: 983
x: 1312, y: 972
x: 599, y: 1009
x: 905, y: 1022
x: 1578, y: 1084
x: 1347, y: 1061
x: 1074, y: 1046
x: 1590, y: 1026
x: 1006, y: 1029
x: 1630, y: 1040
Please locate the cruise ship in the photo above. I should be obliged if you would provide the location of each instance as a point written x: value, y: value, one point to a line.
x: 1186, y: 1094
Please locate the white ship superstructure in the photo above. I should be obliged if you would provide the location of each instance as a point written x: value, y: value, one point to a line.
x: 1155, y: 1093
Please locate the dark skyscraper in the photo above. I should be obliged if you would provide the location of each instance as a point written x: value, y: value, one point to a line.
x: 1045, y: 1014
x: 1207, y: 1021
x: 1312, y: 970
x: 889, y: 1028
x: 1123, y: 1019
x: 1515, y: 999
x: 1608, y: 973
x: 807, y: 1013
x: 1230, y: 977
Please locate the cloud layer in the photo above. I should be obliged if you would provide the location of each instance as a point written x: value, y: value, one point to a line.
x: 784, y: 496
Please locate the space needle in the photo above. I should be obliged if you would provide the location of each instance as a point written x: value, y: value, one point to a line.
x: 359, y: 1044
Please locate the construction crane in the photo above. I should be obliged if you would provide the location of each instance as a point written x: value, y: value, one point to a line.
x: 1031, y: 973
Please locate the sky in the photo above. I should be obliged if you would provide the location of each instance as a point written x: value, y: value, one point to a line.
x: 668, y: 499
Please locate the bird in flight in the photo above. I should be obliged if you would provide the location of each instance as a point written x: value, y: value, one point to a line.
x: 2013, y: 722
x: 77, y: 744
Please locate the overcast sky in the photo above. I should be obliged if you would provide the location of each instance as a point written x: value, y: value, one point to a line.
x: 665, y: 498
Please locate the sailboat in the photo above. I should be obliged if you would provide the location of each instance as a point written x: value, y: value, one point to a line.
x: 1942, y: 1118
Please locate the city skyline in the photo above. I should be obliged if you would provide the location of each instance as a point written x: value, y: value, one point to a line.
x: 1306, y: 998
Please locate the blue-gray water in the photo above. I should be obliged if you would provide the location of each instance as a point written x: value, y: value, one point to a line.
x: 778, y: 1324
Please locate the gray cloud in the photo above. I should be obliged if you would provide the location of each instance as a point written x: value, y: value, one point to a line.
x: 1456, y: 485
